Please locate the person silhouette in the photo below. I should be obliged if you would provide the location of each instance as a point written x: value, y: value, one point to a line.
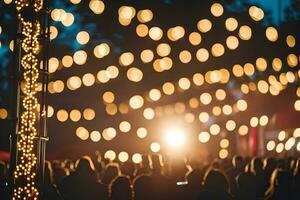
x: 216, y: 186
x: 281, y: 186
x: 120, y: 188
x: 82, y: 184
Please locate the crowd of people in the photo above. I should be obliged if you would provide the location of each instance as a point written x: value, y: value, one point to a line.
x: 158, y: 178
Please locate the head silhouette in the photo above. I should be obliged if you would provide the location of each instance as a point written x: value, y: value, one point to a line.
x: 120, y: 188
x: 142, y: 188
x: 216, y: 181
x: 246, y: 184
x: 156, y: 163
x: 257, y: 165
x: 281, y: 182
x: 238, y: 162
x: 194, y: 178
x: 48, y: 173
x: 111, y: 172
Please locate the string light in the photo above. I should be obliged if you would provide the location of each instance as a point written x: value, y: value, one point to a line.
x: 31, y: 30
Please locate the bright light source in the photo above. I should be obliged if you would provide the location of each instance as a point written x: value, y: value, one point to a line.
x: 175, y: 137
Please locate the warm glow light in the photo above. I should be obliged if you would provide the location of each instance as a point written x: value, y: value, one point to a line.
x: 203, y: 117
x: 97, y: 6
x: 204, y: 25
x: 205, y: 98
x: 134, y: 74
x: 142, y: 30
x: 110, y: 154
x: 195, y: 38
x: 89, y: 114
x: 123, y: 156
x: 224, y: 143
x: 281, y: 135
x: 168, y: 88
x: 154, y: 94
x: 230, y: 125
x: 62, y: 115
x: 95, y: 136
x: 145, y: 16
x: 136, y: 102
x: 155, y: 147
x: 149, y: 113
x: 254, y: 122
x: 155, y: 33
x: 101, y: 50
x: 279, y: 147
x: 185, y: 56
x: 75, y: 115
x: 245, y: 32
x: 67, y: 61
x: 231, y: 24
x: 202, y: 55
x: 271, y: 145
x: 204, y: 137
x: 291, y: 41
x: 223, y: 153
x: 232, y: 42
x: 126, y: 59
x: 147, y: 55
x: 83, y: 37
x: 263, y: 121
x: 141, y: 132
x: 272, y: 34
x: 80, y: 57
x: 3, y: 113
x: 163, y: 49
x: 137, y: 158
x: 296, y: 133
x: 88, y: 79
x: 243, y: 130
x: 214, y: 129
x: 124, y: 126
x: 256, y: 13
x: 217, y: 9
x: 175, y: 137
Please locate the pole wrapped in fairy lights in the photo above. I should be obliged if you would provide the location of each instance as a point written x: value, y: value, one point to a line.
x: 28, y: 18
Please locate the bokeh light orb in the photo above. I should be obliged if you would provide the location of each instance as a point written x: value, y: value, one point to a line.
x: 101, y: 50
x: 272, y: 34
x: 216, y: 9
x: 145, y: 15
x: 204, y: 25
x: 155, y: 33
x: 155, y: 147
x: 125, y: 126
x: 202, y: 55
x: 123, y: 156
x: 83, y: 37
x: 80, y: 57
x: 204, y: 137
x: 134, y: 74
x: 245, y: 32
x: 89, y: 114
x: 142, y: 30
x: 110, y: 154
x: 137, y: 158
x: 126, y: 59
x: 195, y: 38
x: 136, y: 102
x: 97, y: 6
x: 231, y: 24
x: 95, y: 136
x: 256, y: 13
x: 141, y: 132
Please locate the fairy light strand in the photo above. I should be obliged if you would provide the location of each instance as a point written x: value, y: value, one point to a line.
x: 24, y: 173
